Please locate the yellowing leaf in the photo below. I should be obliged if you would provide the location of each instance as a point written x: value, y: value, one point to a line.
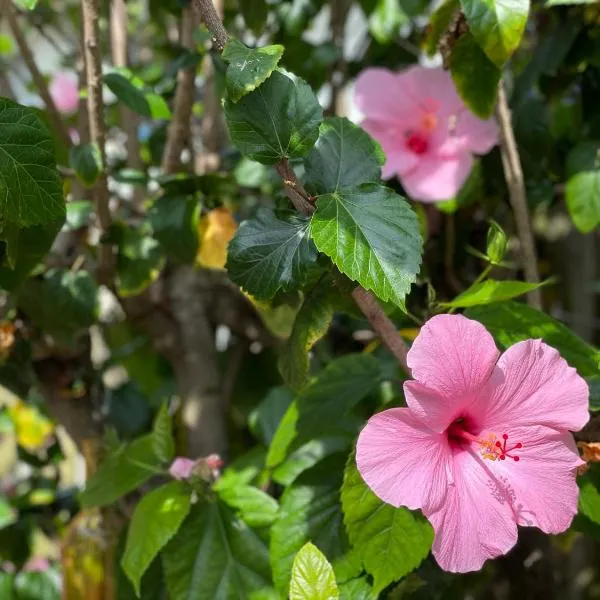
x: 31, y: 427
x: 215, y: 231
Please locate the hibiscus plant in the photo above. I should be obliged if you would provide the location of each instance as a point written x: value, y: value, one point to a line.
x: 298, y: 299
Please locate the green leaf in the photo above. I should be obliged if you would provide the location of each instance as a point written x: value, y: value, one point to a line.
x: 252, y: 505
x: 215, y: 555
x: 311, y: 324
x: 86, y: 160
x: 156, y: 519
x: 490, y: 291
x: 36, y: 586
x: 139, y: 262
x: 343, y: 157
x: 468, y: 63
x: 32, y: 245
x: 130, y: 91
x: 255, y: 13
x: 582, y: 191
x: 162, y: 435
x: 568, y: 2
x: 122, y: 472
x: 61, y: 302
x: 309, y: 511
x: 8, y: 515
x: 6, y: 586
x: 438, y: 24
x: 269, y: 254
x: 175, y: 222
x: 26, y: 4
x: 385, y: 21
x: 323, y: 406
x: 265, y: 418
x: 278, y: 120
x: 497, y: 26
x: 312, y: 576
x: 372, y: 236
x: 391, y: 541
x: 512, y: 322
x: 248, y: 67
x: 594, y: 385
x: 79, y: 214
x: 589, y: 494
x: 30, y: 186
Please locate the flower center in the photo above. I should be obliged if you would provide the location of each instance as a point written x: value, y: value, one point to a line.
x: 490, y: 447
x: 416, y: 142
x: 429, y: 121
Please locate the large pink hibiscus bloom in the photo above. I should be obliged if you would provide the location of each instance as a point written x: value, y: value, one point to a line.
x: 426, y: 131
x: 484, y: 444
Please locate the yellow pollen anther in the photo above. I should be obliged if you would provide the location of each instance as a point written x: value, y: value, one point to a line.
x: 489, y: 449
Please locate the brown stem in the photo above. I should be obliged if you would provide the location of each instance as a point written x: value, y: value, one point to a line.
x: 515, y: 182
x: 179, y: 128
x: 54, y: 115
x: 90, y: 10
x: 293, y: 188
x: 213, y: 22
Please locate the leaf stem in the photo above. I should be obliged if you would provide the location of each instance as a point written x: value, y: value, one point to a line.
x: 513, y: 173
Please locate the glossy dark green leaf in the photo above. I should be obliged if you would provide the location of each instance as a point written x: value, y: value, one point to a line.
x: 372, y: 235
x: 497, y: 25
x: 278, y: 120
x: 265, y: 418
x: 174, y: 223
x: 468, y: 63
x: 343, y: 157
x: 86, y: 161
x: 582, y: 191
x: 30, y: 186
x: 270, y: 254
x: 512, y: 322
x: 490, y: 291
x: 215, y: 555
x: 391, y: 541
x: 248, y: 67
x: 312, y: 576
x: 162, y: 435
x: 131, y: 91
x: 156, y: 519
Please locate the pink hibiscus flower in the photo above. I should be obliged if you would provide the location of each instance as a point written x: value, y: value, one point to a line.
x: 484, y: 444
x: 65, y: 92
x: 426, y: 132
x: 182, y: 468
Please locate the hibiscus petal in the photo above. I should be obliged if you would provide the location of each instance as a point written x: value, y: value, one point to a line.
x: 451, y: 360
x: 431, y: 89
x: 479, y: 136
x: 437, y: 178
x: 402, y: 461
x: 541, y: 486
x: 533, y: 385
x: 379, y: 94
x: 472, y: 525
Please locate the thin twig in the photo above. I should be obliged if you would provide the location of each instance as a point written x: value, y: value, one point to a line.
x: 179, y: 128
x: 90, y: 10
x: 366, y: 301
x: 515, y: 182
x: 58, y: 124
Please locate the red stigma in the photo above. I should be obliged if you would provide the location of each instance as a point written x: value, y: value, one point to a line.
x: 503, y: 451
x: 416, y: 142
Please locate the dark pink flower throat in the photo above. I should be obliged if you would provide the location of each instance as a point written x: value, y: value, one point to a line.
x: 490, y: 447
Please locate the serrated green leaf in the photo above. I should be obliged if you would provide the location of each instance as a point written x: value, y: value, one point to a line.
x: 162, y: 435
x: 311, y: 324
x: 156, y: 519
x: 86, y: 160
x: 490, y: 291
x: 372, y: 236
x: 139, y: 262
x: 309, y: 511
x: 131, y: 91
x: 248, y: 67
x: 391, y: 541
x: 278, y: 120
x: 253, y: 506
x: 468, y: 63
x: 312, y: 576
x: 582, y: 190
x: 61, y: 302
x: 122, y: 472
x: 255, y: 13
x: 589, y: 494
x: 323, y: 406
x: 439, y: 21
x: 30, y: 186
x: 343, y: 157
x: 512, y: 322
x: 215, y: 555
x: 497, y: 25
x: 174, y: 223
x: 269, y: 254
